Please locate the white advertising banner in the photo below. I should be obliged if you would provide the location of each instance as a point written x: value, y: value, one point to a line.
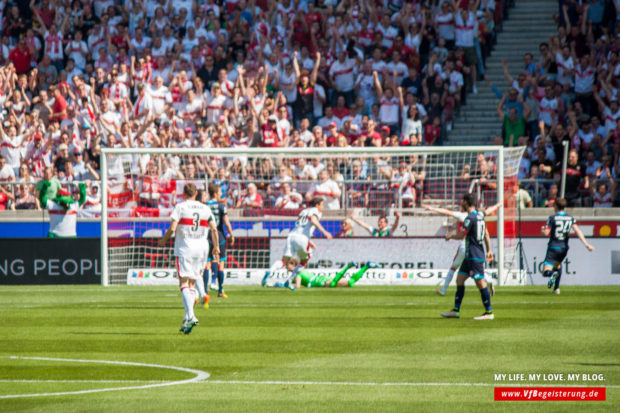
x: 376, y: 276
x: 421, y: 261
x: 152, y: 276
x: 601, y: 267
x: 581, y: 267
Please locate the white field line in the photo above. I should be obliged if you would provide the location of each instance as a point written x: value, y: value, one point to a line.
x: 403, y: 384
x: 198, y: 376
x: 80, y: 381
x: 324, y: 383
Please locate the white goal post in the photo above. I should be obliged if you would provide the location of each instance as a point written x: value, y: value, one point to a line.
x: 441, y: 168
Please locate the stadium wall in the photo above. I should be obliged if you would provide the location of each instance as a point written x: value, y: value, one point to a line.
x: 599, y: 222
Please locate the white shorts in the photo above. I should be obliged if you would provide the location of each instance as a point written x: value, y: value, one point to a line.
x: 297, y: 245
x: 190, y: 267
x: 459, y: 257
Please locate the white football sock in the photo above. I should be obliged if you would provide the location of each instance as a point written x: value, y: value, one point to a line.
x: 184, y: 290
x: 448, y: 279
x: 200, y: 286
x: 276, y: 266
x: 191, y: 299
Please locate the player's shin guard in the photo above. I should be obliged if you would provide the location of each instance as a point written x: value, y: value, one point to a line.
x: 486, y: 298
x: 340, y: 274
x: 355, y: 277
x: 458, y: 297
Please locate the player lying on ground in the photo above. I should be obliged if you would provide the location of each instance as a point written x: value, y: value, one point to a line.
x: 191, y: 221
x: 558, y: 230
x: 298, y: 244
x: 460, y: 252
x: 311, y: 280
x: 473, y: 263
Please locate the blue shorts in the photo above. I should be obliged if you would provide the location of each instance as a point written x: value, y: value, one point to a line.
x: 555, y: 255
x: 473, y: 267
x: 222, y: 240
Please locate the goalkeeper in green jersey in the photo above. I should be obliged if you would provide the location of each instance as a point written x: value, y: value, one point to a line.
x: 311, y: 280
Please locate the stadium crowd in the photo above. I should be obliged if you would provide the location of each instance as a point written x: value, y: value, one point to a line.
x: 81, y: 75
x: 569, y: 92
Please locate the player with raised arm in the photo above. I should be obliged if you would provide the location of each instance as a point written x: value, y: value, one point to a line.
x: 312, y: 280
x: 382, y: 229
x: 298, y: 243
x: 460, y: 252
x: 558, y: 229
x: 473, y: 263
x: 190, y: 222
x: 220, y: 214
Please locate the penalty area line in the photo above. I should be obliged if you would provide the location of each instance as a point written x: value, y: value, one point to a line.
x: 199, y: 375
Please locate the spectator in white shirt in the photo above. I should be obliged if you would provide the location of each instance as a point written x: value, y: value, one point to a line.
x: 388, y: 104
x: 342, y: 76
x: 326, y: 188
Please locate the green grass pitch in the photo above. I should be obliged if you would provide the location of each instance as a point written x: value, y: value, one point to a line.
x: 312, y: 350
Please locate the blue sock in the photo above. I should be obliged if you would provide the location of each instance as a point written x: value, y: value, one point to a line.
x: 557, y: 280
x: 205, y: 278
x: 486, y: 298
x: 214, y: 269
x: 460, y: 292
x: 220, y: 281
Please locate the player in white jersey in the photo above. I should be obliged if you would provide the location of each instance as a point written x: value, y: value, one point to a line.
x: 298, y: 243
x: 460, y: 253
x: 191, y: 221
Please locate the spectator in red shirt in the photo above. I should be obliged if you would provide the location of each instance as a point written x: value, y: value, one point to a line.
x: 21, y: 57
x: 406, y: 52
x: 270, y: 138
x: 313, y: 16
x: 45, y: 10
x: 252, y: 199
x: 5, y: 197
x: 372, y: 135
x: 60, y: 107
x: 341, y: 111
x: 432, y: 131
x: 334, y: 135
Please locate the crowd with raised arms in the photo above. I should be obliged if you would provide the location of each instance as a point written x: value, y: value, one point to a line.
x: 568, y: 91
x: 80, y: 75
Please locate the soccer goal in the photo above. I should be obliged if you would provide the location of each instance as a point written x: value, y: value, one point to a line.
x: 265, y: 189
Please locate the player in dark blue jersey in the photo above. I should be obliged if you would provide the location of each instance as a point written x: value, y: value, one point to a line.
x: 475, y: 235
x: 558, y: 230
x: 218, y: 209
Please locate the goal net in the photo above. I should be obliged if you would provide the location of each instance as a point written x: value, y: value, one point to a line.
x: 264, y: 191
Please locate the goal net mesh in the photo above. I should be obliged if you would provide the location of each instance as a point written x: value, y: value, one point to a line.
x: 265, y: 191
